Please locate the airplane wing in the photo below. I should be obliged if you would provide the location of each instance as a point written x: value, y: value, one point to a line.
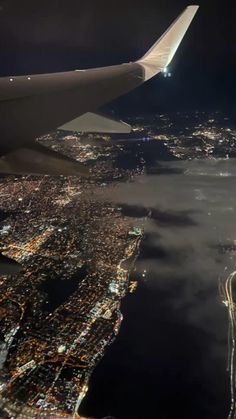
x: 39, y: 160
x: 161, y: 53
x: 32, y: 106
x: 92, y: 122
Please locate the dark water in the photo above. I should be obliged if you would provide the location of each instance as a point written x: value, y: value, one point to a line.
x: 59, y: 290
x: 134, y: 154
x: 9, y: 266
x: 6, y: 214
x: 160, y: 365
x: 170, y: 357
x: 3, y: 215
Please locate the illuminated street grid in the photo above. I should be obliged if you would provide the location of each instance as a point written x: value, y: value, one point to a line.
x: 60, y: 230
x: 60, y: 313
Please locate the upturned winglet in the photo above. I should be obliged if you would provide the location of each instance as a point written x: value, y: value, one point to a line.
x: 161, y: 53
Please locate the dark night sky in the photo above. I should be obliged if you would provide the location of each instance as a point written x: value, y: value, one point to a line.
x: 43, y: 36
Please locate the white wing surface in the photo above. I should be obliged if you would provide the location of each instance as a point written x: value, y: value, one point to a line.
x: 161, y: 53
x: 32, y: 106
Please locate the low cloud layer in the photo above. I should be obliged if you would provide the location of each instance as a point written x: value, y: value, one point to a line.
x: 191, y: 223
x: 171, y: 353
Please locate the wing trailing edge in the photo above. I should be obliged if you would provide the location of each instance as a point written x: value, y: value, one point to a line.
x: 40, y: 160
x: 161, y: 53
x: 39, y: 104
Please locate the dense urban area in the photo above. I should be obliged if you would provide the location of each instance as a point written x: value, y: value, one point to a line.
x: 59, y: 314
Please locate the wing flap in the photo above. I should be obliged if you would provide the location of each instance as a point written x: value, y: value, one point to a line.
x: 40, y: 161
x: 39, y: 104
x: 91, y: 122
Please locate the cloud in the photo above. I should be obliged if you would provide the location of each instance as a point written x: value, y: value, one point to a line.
x: 191, y: 217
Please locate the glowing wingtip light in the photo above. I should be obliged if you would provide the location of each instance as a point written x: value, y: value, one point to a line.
x: 166, y: 72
